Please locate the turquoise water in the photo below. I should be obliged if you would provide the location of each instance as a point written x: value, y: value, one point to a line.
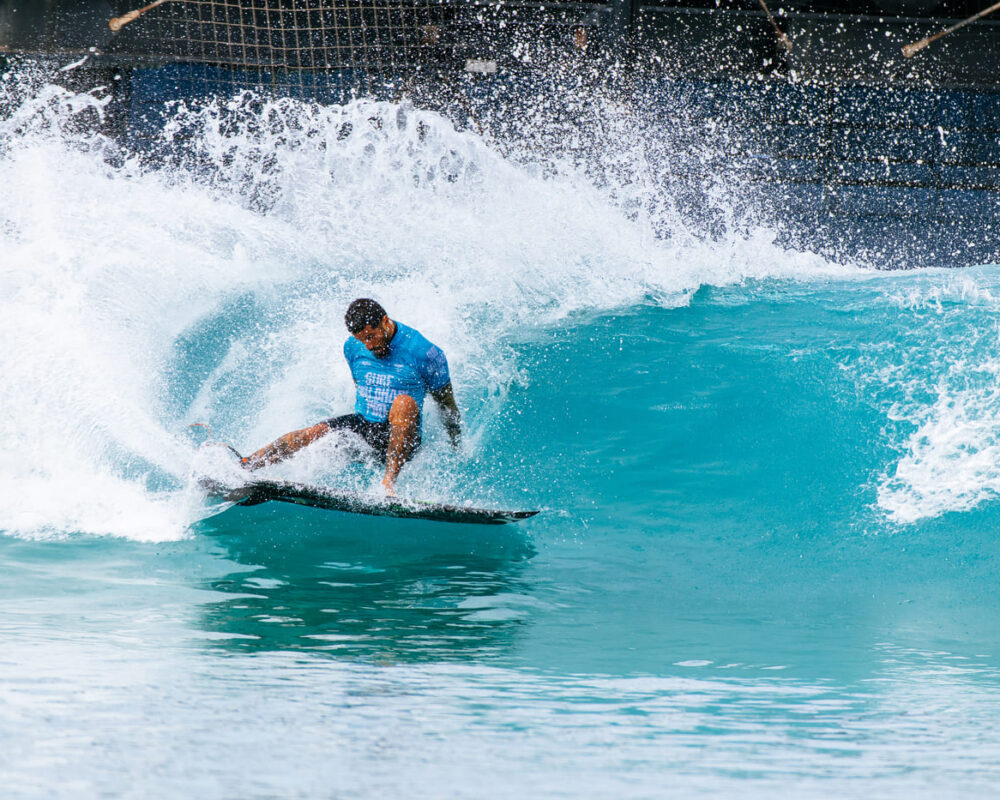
x: 766, y: 559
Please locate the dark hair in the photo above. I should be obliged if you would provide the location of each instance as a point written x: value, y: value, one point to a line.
x: 362, y: 313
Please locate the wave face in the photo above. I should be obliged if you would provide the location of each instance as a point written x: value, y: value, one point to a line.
x: 140, y: 299
x: 768, y: 482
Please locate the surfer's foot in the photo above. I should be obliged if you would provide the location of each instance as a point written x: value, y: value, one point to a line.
x: 244, y: 461
x: 390, y: 488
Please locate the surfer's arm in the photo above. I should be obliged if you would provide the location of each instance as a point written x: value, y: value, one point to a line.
x: 450, y: 415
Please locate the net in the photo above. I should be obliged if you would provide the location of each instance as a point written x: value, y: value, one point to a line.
x: 324, y: 49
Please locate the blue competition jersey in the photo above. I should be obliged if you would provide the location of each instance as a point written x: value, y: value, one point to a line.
x: 413, y: 366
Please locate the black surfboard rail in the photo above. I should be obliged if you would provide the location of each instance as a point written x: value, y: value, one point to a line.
x: 331, y: 499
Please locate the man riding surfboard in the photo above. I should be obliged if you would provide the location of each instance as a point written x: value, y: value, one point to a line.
x: 393, y: 367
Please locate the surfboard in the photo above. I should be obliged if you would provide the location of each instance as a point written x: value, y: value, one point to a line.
x: 331, y: 499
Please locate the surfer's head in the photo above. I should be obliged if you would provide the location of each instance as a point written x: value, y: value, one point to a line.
x: 370, y: 325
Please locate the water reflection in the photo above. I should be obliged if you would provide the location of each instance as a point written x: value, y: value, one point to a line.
x: 368, y: 588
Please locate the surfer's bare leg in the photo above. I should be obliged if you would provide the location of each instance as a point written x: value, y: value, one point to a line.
x: 404, y: 428
x: 282, y: 448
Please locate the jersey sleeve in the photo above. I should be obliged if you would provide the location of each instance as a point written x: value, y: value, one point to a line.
x: 434, y: 368
x: 350, y: 354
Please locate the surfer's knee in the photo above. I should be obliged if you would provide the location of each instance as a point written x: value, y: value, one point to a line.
x: 404, y: 412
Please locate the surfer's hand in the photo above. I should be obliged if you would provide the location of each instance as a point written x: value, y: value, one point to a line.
x: 454, y: 431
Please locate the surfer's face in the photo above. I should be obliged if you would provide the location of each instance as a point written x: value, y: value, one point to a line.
x: 376, y: 337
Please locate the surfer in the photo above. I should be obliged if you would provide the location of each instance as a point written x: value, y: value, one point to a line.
x: 393, y: 367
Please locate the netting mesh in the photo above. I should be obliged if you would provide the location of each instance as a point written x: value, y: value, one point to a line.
x: 300, y: 45
x: 304, y: 46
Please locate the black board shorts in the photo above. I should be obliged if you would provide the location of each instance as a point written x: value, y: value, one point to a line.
x: 376, y: 434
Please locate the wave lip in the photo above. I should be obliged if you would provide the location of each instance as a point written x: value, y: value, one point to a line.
x: 951, y: 462
x: 938, y: 374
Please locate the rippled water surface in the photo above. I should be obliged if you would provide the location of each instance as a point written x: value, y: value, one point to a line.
x: 766, y: 559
